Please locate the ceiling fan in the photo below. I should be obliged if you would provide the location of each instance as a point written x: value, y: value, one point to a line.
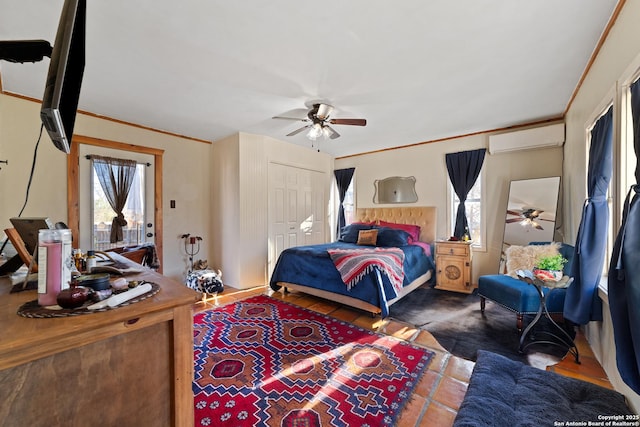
x: 319, y: 121
x: 528, y: 216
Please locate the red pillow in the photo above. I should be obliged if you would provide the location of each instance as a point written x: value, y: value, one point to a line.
x: 413, y: 230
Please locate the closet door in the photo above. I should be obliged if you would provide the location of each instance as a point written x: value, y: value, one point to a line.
x: 296, y: 209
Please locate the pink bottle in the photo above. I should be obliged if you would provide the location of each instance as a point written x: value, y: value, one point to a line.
x: 49, y: 266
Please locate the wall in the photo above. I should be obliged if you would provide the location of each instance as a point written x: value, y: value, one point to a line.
x: 427, y: 163
x: 186, y: 175
x: 619, y: 51
x: 239, y: 204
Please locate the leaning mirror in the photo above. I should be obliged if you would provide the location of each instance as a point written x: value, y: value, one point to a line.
x: 531, y: 212
x: 395, y: 189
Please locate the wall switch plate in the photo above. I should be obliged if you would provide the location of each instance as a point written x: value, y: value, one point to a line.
x: 173, y: 204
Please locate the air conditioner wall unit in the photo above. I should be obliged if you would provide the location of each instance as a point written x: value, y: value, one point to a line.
x: 527, y: 139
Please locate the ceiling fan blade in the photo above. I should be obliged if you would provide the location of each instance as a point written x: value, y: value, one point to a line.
x: 297, y: 131
x: 536, y: 225
x: 332, y: 133
x: 324, y: 110
x: 513, y: 213
x: 512, y: 220
x: 290, y: 118
x: 352, y: 122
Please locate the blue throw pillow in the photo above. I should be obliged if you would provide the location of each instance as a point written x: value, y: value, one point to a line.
x: 392, y: 237
x: 349, y: 233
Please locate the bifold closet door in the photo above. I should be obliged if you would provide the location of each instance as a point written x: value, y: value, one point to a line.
x: 296, y: 208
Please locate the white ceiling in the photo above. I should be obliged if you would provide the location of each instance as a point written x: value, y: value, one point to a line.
x: 417, y: 70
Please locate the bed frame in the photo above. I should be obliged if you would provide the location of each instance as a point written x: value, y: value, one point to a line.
x: 424, y: 216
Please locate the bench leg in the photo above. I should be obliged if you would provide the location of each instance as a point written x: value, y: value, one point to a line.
x: 519, y: 322
x: 483, y: 303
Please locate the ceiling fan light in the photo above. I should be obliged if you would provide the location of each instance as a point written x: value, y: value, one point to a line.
x: 315, y: 132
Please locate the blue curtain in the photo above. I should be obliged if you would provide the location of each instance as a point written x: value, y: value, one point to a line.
x: 624, y: 271
x: 464, y: 168
x: 343, y: 179
x: 582, y: 304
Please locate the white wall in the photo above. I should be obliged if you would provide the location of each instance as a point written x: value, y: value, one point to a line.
x: 619, y: 50
x: 427, y: 163
x: 239, y: 204
x: 186, y: 175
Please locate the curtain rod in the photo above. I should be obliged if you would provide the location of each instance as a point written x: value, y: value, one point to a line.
x: 88, y: 157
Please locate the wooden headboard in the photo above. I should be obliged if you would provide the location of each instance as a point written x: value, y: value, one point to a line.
x: 423, y: 216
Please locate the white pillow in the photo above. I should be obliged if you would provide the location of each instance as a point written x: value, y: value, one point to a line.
x: 526, y: 257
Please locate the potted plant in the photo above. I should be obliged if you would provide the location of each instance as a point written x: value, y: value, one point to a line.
x: 549, y: 268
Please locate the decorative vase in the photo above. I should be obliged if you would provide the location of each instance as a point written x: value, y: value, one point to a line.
x: 548, y: 275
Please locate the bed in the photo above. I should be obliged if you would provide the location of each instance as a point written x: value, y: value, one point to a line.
x: 312, y: 269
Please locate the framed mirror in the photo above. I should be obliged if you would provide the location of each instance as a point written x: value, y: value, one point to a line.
x: 531, y: 212
x: 395, y: 189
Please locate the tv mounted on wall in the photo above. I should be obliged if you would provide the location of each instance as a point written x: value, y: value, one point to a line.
x: 64, y: 78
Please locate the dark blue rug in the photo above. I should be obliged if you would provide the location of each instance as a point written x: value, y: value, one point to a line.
x: 456, y: 321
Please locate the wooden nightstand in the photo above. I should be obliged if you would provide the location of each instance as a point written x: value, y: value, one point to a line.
x: 453, y: 266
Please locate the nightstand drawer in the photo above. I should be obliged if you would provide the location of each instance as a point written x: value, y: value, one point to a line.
x: 458, y: 249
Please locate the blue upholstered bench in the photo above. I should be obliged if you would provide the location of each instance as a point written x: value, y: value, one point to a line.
x: 520, y: 297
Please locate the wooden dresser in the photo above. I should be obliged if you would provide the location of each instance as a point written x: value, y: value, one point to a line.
x: 453, y: 266
x: 129, y: 366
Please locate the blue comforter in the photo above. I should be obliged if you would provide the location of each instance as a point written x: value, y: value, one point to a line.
x: 311, y: 266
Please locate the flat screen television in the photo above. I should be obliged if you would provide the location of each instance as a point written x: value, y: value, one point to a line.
x: 64, y: 78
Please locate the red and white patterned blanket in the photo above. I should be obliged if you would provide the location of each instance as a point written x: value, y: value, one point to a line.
x: 354, y: 264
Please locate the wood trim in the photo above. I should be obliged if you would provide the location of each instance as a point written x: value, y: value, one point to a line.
x: 523, y: 125
x: 73, y: 185
x: 111, y: 119
x: 596, y: 52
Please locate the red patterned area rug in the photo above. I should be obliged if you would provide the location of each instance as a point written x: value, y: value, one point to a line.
x: 264, y: 362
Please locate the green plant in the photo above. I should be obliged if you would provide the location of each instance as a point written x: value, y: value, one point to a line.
x: 555, y: 262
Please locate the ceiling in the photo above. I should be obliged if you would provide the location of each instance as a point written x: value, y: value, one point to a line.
x: 416, y: 70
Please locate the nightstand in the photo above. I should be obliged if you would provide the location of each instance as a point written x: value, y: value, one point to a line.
x: 453, y: 266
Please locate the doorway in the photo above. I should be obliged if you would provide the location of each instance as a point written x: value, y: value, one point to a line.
x: 78, y: 176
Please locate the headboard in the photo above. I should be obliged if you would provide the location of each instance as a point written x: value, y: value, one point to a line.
x: 423, y: 216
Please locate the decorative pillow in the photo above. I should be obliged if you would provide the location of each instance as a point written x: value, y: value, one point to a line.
x: 349, y: 233
x: 368, y: 237
x: 392, y: 237
x: 413, y: 230
x: 525, y: 257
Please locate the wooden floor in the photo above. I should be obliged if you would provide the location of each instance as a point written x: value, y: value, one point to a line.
x: 438, y: 395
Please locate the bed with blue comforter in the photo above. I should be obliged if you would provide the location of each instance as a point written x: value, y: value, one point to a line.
x: 311, y: 269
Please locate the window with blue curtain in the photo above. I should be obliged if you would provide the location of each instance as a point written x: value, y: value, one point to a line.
x: 343, y: 180
x: 624, y: 270
x: 582, y: 303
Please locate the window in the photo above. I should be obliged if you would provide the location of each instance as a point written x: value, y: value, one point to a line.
x: 475, y: 211
x: 349, y: 204
x: 134, y: 213
x: 624, y: 169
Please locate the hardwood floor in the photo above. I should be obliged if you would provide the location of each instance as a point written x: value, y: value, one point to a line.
x: 440, y: 392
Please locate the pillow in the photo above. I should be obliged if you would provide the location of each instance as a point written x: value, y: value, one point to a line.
x: 392, y: 237
x: 525, y: 257
x: 349, y: 233
x: 367, y: 237
x: 413, y: 230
